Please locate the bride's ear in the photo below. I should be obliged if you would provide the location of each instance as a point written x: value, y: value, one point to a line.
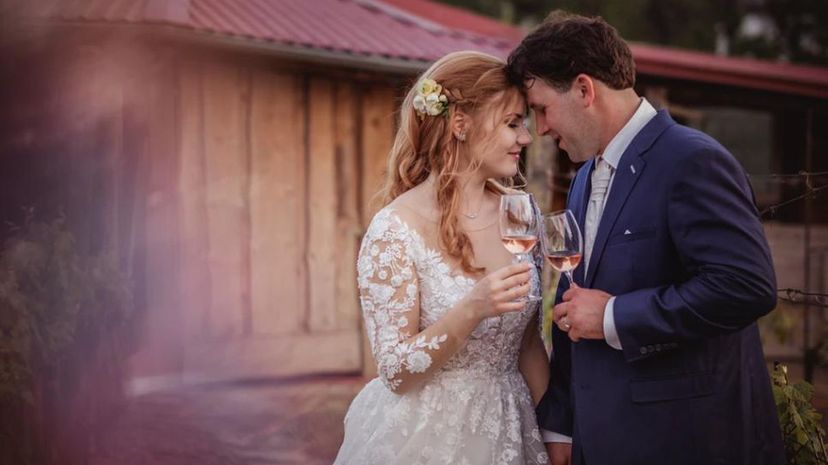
x: 459, y: 125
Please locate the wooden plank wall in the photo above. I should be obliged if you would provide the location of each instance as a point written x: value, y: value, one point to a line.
x: 377, y: 132
x: 274, y: 171
x: 225, y: 158
x: 277, y: 200
x: 322, y: 200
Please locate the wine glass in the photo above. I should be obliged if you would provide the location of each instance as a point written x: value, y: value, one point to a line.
x: 519, y: 229
x: 563, y: 244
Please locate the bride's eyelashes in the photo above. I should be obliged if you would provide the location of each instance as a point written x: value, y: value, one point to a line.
x: 515, y: 123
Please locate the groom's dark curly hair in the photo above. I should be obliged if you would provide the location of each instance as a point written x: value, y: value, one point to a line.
x: 566, y: 45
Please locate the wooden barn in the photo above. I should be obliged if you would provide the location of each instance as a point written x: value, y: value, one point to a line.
x: 229, y: 152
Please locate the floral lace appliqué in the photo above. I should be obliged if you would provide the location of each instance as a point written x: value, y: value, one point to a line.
x: 389, y: 294
x: 474, y: 409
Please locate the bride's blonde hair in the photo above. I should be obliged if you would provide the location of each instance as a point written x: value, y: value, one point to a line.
x: 475, y: 84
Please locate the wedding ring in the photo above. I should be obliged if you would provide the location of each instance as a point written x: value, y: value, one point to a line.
x: 566, y: 324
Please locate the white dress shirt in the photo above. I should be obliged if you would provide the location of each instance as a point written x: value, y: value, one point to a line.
x: 612, y: 156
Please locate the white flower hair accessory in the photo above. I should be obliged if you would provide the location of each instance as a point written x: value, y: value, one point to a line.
x: 430, y: 100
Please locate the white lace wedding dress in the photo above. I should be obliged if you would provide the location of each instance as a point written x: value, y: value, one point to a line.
x: 476, y: 409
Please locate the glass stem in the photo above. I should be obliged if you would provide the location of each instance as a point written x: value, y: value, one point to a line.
x: 526, y: 257
x: 522, y: 258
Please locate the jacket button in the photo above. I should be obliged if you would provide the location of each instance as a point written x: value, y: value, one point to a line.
x: 658, y: 347
x: 643, y: 350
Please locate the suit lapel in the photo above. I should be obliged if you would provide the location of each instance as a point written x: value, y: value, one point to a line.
x: 582, y: 189
x: 630, y: 168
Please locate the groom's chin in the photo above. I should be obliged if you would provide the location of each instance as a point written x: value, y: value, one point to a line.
x: 571, y: 157
x: 576, y: 158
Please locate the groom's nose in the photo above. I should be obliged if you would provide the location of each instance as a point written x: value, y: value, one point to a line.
x: 525, y: 138
x: 540, y: 126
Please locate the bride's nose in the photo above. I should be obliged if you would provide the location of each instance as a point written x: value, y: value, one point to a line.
x: 524, y: 138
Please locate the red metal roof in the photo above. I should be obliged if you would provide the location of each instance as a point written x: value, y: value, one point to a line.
x: 361, y: 27
x: 460, y: 19
x: 418, y: 31
x: 689, y: 65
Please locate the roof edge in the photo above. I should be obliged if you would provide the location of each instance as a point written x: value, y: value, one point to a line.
x: 187, y: 35
x: 308, y: 54
x: 789, y: 78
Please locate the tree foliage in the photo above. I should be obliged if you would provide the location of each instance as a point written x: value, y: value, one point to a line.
x: 63, y: 318
x: 794, y: 30
x: 800, y: 422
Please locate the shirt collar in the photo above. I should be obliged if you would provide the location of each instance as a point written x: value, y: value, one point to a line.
x: 618, y: 145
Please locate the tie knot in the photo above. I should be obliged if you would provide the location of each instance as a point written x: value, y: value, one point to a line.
x: 602, y: 168
x: 600, y: 179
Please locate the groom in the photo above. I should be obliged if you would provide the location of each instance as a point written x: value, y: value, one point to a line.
x: 656, y: 353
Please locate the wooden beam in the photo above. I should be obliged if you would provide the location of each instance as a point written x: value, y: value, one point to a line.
x: 321, y: 250
x: 377, y: 137
x: 226, y: 184
x: 348, y: 230
x: 277, y: 203
x: 196, y: 284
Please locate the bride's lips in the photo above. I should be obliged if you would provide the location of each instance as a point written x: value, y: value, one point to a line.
x: 515, y: 155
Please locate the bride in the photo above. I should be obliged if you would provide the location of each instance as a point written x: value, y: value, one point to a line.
x: 461, y: 364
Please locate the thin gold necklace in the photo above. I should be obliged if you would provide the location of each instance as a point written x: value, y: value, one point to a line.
x: 473, y: 216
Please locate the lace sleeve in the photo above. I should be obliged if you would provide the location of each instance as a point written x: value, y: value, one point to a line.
x: 389, y: 294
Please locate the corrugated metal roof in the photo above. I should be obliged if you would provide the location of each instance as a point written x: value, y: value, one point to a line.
x: 414, y: 31
x: 361, y: 27
x: 458, y: 18
x: 741, y: 72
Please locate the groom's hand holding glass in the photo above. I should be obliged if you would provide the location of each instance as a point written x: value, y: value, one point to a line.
x: 581, y: 314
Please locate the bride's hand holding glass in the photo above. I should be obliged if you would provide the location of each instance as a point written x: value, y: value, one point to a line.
x: 519, y: 230
x: 498, y: 292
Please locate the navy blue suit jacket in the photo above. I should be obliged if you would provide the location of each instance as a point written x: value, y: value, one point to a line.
x: 681, y: 247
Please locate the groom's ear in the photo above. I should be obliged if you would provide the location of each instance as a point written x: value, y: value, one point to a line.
x: 584, y: 86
